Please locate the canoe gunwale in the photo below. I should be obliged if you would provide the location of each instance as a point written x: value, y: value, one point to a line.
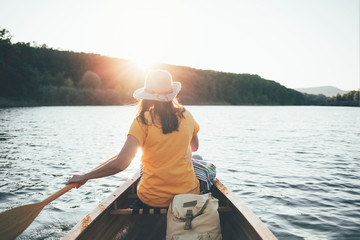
x: 254, y: 222
x: 81, y: 226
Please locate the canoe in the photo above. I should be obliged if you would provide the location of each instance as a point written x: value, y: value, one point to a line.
x: 113, y: 219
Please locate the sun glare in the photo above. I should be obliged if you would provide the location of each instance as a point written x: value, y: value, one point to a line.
x: 143, y: 64
x: 148, y: 35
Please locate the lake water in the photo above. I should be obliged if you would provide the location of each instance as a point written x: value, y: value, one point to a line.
x: 297, y: 168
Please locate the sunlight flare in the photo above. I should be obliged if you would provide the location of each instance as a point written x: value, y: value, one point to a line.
x: 143, y: 64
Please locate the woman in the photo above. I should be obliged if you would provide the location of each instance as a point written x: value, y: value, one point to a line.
x: 167, y: 135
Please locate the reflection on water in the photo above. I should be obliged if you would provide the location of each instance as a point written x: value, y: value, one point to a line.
x: 297, y: 168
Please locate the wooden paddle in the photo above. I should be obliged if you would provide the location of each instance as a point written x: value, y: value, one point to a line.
x: 14, y: 221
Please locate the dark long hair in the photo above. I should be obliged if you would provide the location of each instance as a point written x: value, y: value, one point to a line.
x: 169, y: 114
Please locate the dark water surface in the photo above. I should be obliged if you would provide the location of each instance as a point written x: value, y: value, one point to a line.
x: 297, y: 168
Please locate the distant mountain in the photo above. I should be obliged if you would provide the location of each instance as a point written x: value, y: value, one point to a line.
x: 328, y: 91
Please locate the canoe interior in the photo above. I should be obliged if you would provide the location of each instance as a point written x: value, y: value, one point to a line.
x: 100, y: 224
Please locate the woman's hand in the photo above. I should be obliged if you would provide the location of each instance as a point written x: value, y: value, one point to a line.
x: 80, y: 179
x: 113, y: 166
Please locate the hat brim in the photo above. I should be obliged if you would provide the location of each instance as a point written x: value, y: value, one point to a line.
x: 141, y: 94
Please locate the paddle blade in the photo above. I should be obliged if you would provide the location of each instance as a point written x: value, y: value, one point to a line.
x: 14, y: 221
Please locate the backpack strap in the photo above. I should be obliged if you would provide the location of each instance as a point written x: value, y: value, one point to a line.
x: 188, y: 219
x: 190, y: 216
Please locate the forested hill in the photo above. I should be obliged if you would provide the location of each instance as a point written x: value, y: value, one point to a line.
x: 42, y: 76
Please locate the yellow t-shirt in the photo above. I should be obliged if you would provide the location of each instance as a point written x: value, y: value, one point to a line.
x: 167, y: 162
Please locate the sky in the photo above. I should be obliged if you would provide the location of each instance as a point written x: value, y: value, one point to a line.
x: 298, y: 43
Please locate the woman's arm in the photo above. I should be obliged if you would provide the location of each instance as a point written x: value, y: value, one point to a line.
x: 119, y: 164
x: 194, y: 143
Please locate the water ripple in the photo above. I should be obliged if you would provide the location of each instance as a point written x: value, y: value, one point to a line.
x: 297, y: 168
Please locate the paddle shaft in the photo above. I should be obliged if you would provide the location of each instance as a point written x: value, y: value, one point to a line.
x: 59, y: 193
x: 70, y: 186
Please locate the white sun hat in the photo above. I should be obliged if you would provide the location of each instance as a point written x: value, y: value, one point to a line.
x: 158, y: 86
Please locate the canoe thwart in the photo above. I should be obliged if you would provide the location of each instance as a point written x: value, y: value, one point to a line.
x: 224, y: 209
x: 130, y: 211
x: 133, y: 195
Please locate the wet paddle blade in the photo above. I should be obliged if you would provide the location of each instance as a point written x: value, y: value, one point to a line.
x: 14, y: 221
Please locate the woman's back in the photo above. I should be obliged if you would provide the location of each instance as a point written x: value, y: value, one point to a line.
x: 166, y: 158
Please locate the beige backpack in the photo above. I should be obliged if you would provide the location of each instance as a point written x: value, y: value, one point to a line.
x: 193, y: 217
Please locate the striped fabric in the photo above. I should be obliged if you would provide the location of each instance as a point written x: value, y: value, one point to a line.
x: 205, y: 172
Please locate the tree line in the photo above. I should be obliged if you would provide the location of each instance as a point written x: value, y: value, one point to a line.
x: 33, y: 74
x: 348, y: 99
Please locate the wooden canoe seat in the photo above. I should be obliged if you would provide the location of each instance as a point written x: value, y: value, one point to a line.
x: 153, y: 211
x: 138, y: 211
x: 139, y: 208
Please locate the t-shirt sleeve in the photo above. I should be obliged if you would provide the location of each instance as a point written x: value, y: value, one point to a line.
x: 138, y: 131
x: 196, y: 129
x: 194, y: 123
